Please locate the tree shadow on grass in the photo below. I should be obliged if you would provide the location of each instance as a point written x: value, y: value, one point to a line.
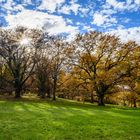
x: 31, y: 104
x: 64, y: 119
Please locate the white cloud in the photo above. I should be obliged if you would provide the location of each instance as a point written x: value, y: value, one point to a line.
x: 137, y: 2
x: 35, y: 19
x: 11, y: 6
x: 84, y: 11
x: 75, y: 7
x: 121, y: 6
x: 2, y: 1
x: 105, y: 16
x: 130, y: 34
x: 8, y: 4
x: 27, y: 1
x: 102, y: 19
x: 88, y: 28
x: 67, y: 9
x: 99, y: 19
x: 116, y: 4
x: 50, y: 5
x: 108, y: 11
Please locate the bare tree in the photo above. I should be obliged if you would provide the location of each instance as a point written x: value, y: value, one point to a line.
x: 57, y: 56
x: 18, y: 49
x: 43, y: 73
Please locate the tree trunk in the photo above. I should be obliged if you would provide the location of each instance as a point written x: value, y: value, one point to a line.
x: 54, y: 95
x: 42, y: 89
x: 101, y: 100
x: 92, y: 100
x: 54, y: 89
x: 18, y: 87
x: 135, y: 104
x: 18, y: 92
x: 131, y: 103
x: 42, y: 94
x: 48, y: 92
x: 48, y: 95
x: 124, y: 103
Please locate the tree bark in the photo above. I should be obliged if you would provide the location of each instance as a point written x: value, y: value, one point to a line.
x: 135, y: 104
x: 48, y: 92
x: 43, y: 91
x: 48, y: 95
x: 54, y: 98
x: 18, y: 92
x: 92, y: 100
x: 42, y: 94
x: 124, y: 103
x: 54, y: 89
x: 101, y: 100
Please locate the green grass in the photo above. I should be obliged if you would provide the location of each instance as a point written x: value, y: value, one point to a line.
x: 66, y: 120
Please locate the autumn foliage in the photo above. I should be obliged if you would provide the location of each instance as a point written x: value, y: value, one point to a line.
x: 94, y: 67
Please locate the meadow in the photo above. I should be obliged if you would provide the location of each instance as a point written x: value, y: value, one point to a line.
x: 66, y: 120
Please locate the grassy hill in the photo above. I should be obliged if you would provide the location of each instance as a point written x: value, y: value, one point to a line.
x: 66, y: 120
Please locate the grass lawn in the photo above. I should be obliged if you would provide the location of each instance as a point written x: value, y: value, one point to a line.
x: 66, y: 120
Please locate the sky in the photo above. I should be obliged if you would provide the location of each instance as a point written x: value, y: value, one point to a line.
x: 119, y: 17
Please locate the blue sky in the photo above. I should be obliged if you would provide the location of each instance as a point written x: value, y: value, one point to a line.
x: 120, y: 17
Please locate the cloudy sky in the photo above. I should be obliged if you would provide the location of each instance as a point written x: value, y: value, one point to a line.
x: 121, y: 17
